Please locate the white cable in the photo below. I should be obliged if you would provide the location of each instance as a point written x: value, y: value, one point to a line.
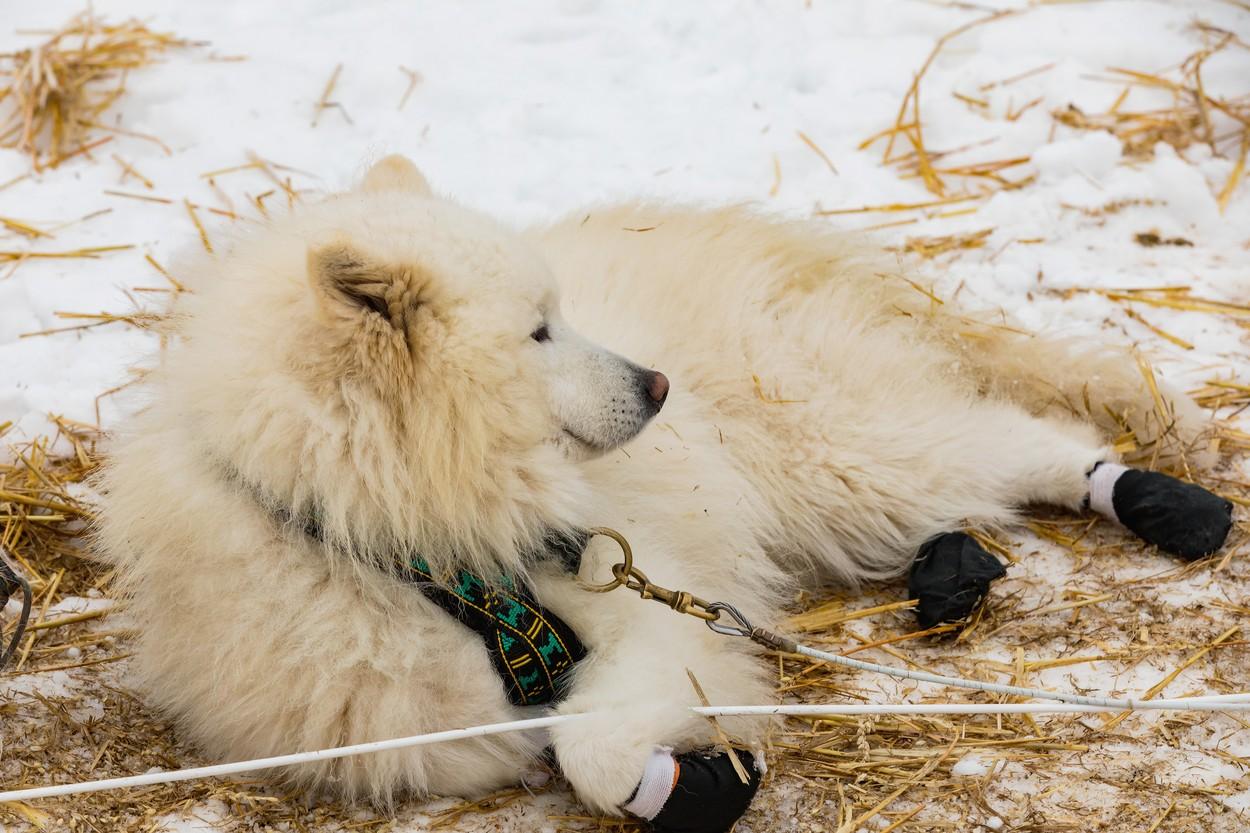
x: 1182, y: 704
x: 285, y: 760
x: 806, y: 709
x: 1120, y: 704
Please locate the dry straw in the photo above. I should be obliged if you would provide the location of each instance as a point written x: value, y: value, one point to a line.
x: 59, y: 91
x: 1195, y: 116
x: 1105, y: 619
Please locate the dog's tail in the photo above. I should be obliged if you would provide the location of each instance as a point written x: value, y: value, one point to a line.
x: 1149, y: 421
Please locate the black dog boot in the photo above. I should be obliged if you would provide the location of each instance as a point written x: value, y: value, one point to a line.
x: 1177, y: 517
x: 950, y: 576
x: 698, y: 792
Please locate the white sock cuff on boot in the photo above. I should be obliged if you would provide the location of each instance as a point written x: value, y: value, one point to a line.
x: 1102, y: 486
x: 656, y: 785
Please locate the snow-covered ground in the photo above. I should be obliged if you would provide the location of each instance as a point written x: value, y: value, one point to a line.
x: 531, y: 110
x: 537, y: 109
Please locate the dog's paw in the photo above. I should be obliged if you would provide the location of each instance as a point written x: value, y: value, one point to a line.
x: 1177, y: 517
x: 698, y: 792
x: 604, y: 755
x: 950, y: 576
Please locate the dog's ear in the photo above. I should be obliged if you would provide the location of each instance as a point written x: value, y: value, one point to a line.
x: 395, y: 173
x: 348, y: 285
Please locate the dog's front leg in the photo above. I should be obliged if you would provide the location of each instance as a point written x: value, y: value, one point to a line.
x: 637, y: 683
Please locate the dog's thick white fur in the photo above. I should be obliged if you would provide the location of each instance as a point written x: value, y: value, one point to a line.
x: 381, y: 358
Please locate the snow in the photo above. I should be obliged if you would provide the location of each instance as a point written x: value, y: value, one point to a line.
x: 536, y: 113
x: 971, y: 765
x: 1092, y: 155
x: 532, y: 110
x: 68, y: 605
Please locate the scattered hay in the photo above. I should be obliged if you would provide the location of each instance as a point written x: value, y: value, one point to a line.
x: 145, y: 197
x: 199, y: 227
x: 1194, y: 117
x: 906, y: 773
x: 324, y: 102
x: 904, y: 768
x: 1168, y: 297
x: 824, y: 157
x: 769, y: 398
x: 887, y: 774
x: 128, y: 170
x: 60, y: 90
x: 25, y: 229
x: 142, y: 320
x: 908, y: 123
x: 931, y: 247
x: 414, y: 78
x: 895, y: 206
x: 1159, y: 331
x: 88, y: 252
x: 100, y: 729
x: 1153, y: 238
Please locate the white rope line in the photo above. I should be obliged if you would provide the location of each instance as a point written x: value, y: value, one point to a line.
x: 1117, y: 703
x: 1197, y: 704
x: 236, y: 767
x: 809, y: 710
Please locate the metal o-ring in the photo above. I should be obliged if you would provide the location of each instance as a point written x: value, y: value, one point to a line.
x: 620, y: 571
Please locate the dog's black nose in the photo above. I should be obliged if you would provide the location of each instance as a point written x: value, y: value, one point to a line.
x: 657, y: 388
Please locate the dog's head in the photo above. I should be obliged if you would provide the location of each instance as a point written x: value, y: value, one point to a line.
x: 424, y: 300
x: 399, y: 361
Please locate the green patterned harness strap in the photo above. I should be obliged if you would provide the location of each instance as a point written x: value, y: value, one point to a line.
x: 533, y: 651
x: 531, y: 648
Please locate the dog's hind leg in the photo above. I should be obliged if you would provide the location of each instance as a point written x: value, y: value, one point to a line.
x: 1023, y: 460
x: 868, y: 499
x: 1055, y: 465
x: 1103, y: 384
x: 1043, y: 460
x: 860, y: 497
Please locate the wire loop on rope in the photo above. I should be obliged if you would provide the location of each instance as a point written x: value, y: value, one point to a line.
x: 11, y: 581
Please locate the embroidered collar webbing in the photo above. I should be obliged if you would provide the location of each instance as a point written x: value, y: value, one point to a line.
x: 532, y: 649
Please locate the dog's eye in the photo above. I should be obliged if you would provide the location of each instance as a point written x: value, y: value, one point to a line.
x: 541, y: 334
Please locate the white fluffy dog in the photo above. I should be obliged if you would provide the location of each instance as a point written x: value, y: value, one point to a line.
x: 412, y: 379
